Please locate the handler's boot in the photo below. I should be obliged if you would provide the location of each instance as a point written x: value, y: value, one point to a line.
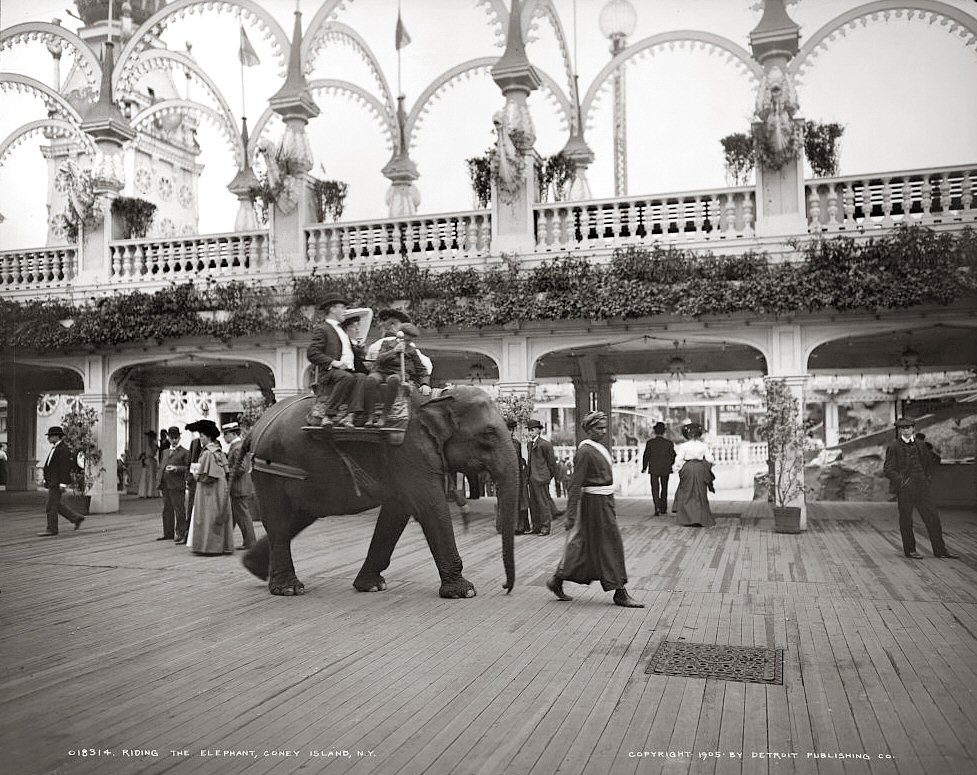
x: 555, y: 586
x: 623, y: 599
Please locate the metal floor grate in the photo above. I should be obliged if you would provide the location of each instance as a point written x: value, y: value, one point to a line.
x: 749, y: 664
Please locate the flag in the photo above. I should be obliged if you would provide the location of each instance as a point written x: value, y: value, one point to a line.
x: 401, y: 38
x: 246, y: 53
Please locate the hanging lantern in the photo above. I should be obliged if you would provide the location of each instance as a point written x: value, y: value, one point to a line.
x: 678, y: 367
x: 910, y: 359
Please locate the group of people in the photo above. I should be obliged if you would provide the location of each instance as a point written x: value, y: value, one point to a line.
x: 356, y: 387
x: 212, y: 487
x: 692, y: 462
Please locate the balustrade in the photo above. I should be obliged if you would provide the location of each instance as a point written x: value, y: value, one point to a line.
x: 927, y: 197
x: 39, y: 268
x: 702, y: 215
x: 233, y: 255
x: 432, y: 237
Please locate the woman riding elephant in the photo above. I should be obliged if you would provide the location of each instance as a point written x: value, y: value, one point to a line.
x: 300, y: 476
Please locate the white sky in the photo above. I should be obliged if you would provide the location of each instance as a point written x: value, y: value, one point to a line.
x: 904, y: 91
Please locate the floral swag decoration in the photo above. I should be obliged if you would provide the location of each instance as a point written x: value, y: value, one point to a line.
x: 508, y: 164
x: 777, y: 139
x: 81, y: 204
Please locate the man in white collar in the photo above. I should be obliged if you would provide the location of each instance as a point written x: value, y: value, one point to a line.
x: 595, y: 550
x: 331, y: 352
x: 57, y: 477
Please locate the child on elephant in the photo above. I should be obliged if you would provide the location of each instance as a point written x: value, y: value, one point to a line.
x: 396, y: 353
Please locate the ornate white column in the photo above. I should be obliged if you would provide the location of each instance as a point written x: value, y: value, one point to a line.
x: 293, y: 157
x: 780, y: 203
x: 514, y: 166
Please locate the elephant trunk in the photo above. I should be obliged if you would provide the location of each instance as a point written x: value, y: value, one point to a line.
x: 507, y: 489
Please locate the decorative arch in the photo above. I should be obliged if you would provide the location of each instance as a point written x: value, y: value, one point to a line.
x: 53, y: 101
x: 821, y: 335
x: 183, y: 107
x: 466, y: 70
x: 178, y: 9
x: 150, y: 58
x: 334, y: 31
x: 68, y: 364
x: 544, y: 9
x: 46, y: 32
x: 730, y: 51
x: 929, y: 11
x: 119, y: 368
x: 20, y: 134
x: 360, y: 95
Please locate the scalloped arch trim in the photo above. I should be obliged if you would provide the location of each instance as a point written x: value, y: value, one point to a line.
x: 882, y: 10
x: 22, y: 133
x: 44, y: 32
x: 183, y: 107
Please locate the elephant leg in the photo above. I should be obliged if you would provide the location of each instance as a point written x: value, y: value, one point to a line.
x: 389, y: 528
x: 440, y: 536
x: 271, y: 557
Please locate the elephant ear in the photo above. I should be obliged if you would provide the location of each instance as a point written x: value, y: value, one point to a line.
x: 437, y: 416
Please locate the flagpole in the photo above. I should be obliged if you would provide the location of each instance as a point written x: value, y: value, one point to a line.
x: 399, y: 91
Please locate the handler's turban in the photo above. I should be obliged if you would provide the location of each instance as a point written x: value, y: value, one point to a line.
x: 590, y: 420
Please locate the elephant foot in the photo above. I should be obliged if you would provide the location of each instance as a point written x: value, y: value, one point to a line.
x: 457, y: 589
x: 367, y: 583
x: 287, y: 587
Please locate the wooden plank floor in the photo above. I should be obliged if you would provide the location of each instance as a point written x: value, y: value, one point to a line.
x: 113, y: 643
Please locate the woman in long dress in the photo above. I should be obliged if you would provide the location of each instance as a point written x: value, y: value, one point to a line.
x: 210, y: 524
x: 147, y: 470
x: 693, y: 464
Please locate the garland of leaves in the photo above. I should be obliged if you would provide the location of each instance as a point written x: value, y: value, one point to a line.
x: 910, y: 267
x: 135, y: 216
x: 742, y: 152
x: 772, y: 158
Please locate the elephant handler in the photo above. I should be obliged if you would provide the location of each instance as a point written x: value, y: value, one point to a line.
x: 336, y: 382
x: 594, y: 550
x: 396, y: 352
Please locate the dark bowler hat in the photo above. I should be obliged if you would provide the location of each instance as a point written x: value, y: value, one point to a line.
x: 905, y: 422
x: 331, y: 300
x: 534, y: 424
x: 55, y: 430
x: 395, y: 314
x: 409, y: 329
x: 172, y: 431
x: 511, y: 424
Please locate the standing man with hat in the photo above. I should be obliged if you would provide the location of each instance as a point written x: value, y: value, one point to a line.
x: 336, y: 383
x: 594, y: 550
x: 239, y: 478
x: 57, y: 477
x: 541, y: 469
x: 909, y: 467
x: 171, y: 481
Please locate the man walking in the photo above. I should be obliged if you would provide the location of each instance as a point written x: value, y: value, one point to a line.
x: 57, y: 477
x: 171, y: 480
x: 594, y: 550
x: 909, y: 466
x: 541, y: 469
x: 241, y: 486
x: 657, y: 461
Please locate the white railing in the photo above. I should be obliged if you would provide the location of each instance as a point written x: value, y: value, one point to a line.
x: 174, y: 258
x: 39, y: 268
x: 684, y: 217
x: 862, y: 203
x: 422, y: 237
x: 726, y: 450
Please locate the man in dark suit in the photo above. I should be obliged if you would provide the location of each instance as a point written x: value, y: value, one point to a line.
x: 909, y: 466
x: 540, y: 470
x: 57, y: 476
x: 171, y: 481
x: 336, y: 383
x: 241, y: 486
x: 657, y: 461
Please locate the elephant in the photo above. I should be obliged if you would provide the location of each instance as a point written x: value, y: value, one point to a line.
x: 300, y: 476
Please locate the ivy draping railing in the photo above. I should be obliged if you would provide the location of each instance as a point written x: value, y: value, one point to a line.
x: 861, y: 203
x: 727, y: 213
x: 38, y: 268
x: 422, y: 237
x: 176, y: 258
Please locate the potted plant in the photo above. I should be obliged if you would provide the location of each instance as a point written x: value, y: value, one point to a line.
x: 329, y: 199
x: 782, y: 430
x: 135, y: 216
x: 480, y: 172
x: 821, y: 147
x: 79, y: 435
